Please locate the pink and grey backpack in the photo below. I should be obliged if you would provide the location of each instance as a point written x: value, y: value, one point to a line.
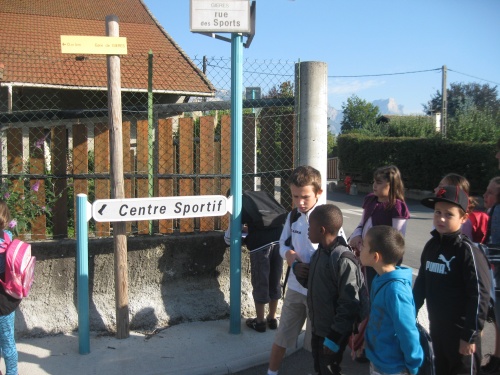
x: 19, y: 267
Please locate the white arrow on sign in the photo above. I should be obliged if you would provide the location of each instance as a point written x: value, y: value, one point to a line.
x: 135, y: 209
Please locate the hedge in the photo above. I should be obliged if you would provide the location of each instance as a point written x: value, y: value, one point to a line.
x: 422, y: 161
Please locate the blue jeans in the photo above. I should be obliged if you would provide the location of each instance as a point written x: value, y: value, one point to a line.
x: 7, y: 343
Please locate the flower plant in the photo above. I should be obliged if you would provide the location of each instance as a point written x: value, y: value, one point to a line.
x: 23, y: 198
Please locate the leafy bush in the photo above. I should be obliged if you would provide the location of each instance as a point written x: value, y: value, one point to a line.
x: 473, y: 125
x: 422, y: 161
x: 405, y: 126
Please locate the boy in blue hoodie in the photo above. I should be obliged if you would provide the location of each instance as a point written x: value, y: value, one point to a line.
x: 392, y: 341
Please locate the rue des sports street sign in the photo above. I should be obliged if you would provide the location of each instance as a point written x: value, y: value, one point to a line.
x: 136, y: 209
x: 228, y: 16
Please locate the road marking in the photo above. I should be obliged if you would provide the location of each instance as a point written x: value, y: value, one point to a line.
x: 354, y: 211
x: 414, y: 271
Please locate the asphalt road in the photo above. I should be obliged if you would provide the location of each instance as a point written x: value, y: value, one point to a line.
x: 417, y: 234
x: 417, y: 231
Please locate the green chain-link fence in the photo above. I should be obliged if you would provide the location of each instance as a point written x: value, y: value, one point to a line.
x: 55, y: 137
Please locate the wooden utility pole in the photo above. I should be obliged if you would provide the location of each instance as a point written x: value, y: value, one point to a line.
x: 444, y: 104
x: 117, y: 182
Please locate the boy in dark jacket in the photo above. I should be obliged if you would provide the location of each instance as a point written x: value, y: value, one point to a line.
x: 454, y: 280
x: 333, y: 299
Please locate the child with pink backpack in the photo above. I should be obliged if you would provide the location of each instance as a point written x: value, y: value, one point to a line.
x: 8, y: 304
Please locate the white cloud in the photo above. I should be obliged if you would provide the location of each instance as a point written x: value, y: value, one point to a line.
x: 349, y: 87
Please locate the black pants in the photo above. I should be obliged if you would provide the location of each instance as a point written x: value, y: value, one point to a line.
x: 325, y: 364
x: 446, y: 342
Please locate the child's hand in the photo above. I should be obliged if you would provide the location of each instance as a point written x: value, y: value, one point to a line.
x: 291, y: 256
x: 466, y: 348
x: 356, y: 242
x: 301, y: 270
x: 327, y: 351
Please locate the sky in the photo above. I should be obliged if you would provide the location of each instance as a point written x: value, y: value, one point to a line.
x: 365, y: 37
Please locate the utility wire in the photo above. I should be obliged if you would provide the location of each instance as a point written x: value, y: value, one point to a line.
x: 387, y: 74
x: 368, y: 75
x: 468, y: 75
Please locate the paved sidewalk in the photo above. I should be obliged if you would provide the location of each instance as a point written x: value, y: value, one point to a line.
x: 189, y: 348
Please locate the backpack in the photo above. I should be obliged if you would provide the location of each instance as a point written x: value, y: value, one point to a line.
x: 19, y: 267
x: 357, y: 338
x: 491, y: 259
x: 492, y: 252
x: 261, y: 210
x: 427, y: 367
x: 479, y: 221
x: 364, y: 296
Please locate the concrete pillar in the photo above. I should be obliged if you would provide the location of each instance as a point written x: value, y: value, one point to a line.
x: 311, y: 89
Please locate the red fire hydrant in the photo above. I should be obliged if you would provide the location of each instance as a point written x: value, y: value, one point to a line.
x: 348, y: 183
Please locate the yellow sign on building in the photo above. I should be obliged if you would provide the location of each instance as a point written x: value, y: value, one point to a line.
x: 93, y: 45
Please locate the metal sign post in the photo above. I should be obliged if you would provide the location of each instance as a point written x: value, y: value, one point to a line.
x: 236, y: 181
x: 238, y: 18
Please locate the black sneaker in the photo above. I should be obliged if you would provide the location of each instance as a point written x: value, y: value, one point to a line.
x: 272, y: 323
x: 255, y: 325
x: 492, y: 367
x: 335, y: 369
x: 361, y: 357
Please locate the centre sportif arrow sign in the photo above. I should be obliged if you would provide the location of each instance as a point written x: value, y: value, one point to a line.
x: 135, y: 209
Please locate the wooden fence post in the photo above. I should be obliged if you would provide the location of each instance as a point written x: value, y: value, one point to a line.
x: 117, y: 182
x: 59, y: 167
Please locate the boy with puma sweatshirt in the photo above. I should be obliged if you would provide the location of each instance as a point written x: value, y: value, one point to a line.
x: 454, y: 280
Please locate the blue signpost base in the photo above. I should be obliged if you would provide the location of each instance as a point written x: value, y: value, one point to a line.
x: 82, y: 270
x: 236, y: 181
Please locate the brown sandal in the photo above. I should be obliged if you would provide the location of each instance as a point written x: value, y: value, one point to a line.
x: 272, y: 323
x: 255, y: 325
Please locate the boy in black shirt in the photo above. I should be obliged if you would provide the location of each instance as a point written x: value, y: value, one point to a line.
x: 454, y: 280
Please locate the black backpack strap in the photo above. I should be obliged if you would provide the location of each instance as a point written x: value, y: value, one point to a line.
x: 364, y: 297
x: 344, y: 252
x: 488, y: 229
x: 294, y: 216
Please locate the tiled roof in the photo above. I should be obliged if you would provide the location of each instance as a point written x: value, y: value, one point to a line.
x: 30, y: 46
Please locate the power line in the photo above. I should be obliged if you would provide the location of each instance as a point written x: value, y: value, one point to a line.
x: 368, y: 75
x: 468, y: 75
x: 387, y: 74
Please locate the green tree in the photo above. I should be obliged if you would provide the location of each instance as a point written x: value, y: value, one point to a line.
x: 273, y: 135
x: 332, y: 144
x: 473, y: 125
x: 483, y: 97
x: 358, y: 114
x: 285, y: 90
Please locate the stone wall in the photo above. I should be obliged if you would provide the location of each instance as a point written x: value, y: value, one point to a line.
x: 172, y: 279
